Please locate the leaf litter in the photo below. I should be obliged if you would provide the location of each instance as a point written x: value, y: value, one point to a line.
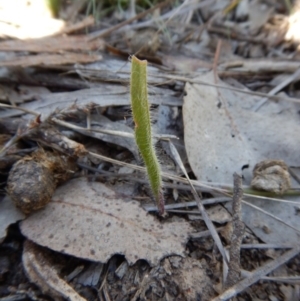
x: 41, y: 270
x: 87, y: 220
x: 230, y: 136
x: 83, y: 88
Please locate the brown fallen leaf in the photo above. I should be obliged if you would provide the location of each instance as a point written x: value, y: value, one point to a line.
x: 52, y: 44
x: 50, y: 59
x: 41, y: 271
x: 87, y: 220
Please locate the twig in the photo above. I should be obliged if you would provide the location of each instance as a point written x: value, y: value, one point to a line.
x: 201, y: 208
x: 20, y: 108
x: 106, y: 293
x: 104, y: 131
x: 88, y: 21
x: 200, y: 82
x: 190, y: 204
x: 287, y: 280
x: 51, y: 137
x: 193, y: 182
x: 257, y: 275
x: 271, y: 215
x: 268, y: 246
x: 218, y: 188
x: 278, y: 88
x: 234, y: 35
x: 202, y: 234
x: 234, y: 272
x: 80, y: 128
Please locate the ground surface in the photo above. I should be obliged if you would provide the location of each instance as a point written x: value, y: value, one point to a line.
x: 213, y: 68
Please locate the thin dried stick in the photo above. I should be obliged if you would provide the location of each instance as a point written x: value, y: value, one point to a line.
x: 218, y: 188
x: 104, y: 131
x: 261, y: 197
x: 190, y: 204
x: 88, y: 21
x: 278, y: 88
x: 187, y: 181
x: 20, y: 108
x: 257, y: 275
x: 197, y: 235
x: 287, y: 280
x: 271, y: 215
x: 201, y: 208
x: 80, y: 128
x: 268, y: 246
x: 234, y: 272
x: 200, y: 82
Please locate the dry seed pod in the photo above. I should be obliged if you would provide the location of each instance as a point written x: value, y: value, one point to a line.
x: 272, y: 176
x: 33, y: 179
x: 61, y: 166
x: 30, y: 185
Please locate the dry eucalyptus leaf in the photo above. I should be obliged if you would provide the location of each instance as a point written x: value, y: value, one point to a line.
x: 87, y: 220
x: 222, y: 134
x: 213, y: 150
x: 41, y: 271
x: 268, y: 229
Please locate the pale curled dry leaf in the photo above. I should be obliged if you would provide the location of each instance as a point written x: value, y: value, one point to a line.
x: 87, y: 220
x: 41, y: 271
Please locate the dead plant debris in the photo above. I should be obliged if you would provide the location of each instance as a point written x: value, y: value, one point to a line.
x: 223, y: 83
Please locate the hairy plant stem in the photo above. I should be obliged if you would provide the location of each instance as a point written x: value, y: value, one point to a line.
x: 143, y: 132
